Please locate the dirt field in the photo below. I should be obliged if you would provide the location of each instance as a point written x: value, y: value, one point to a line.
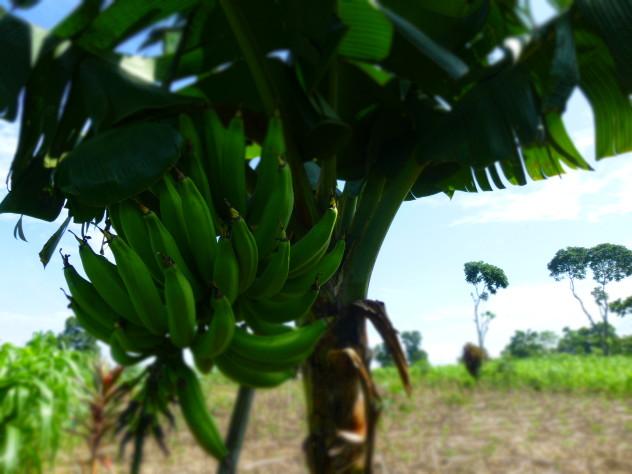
x: 435, y: 431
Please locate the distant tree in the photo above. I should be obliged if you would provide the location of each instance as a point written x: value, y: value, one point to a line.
x: 412, y: 346
x: 624, y: 345
x: 486, y: 279
x: 587, y: 340
x: 76, y: 338
x: 531, y: 343
x: 608, y: 263
x: 382, y: 355
x: 622, y: 307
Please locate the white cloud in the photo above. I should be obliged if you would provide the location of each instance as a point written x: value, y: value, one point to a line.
x: 18, y: 328
x: 535, y: 306
x: 577, y: 195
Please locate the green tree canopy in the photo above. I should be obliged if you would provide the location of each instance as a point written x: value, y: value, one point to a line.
x: 608, y: 263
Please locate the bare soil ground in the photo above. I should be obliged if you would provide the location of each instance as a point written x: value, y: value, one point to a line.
x: 447, y: 430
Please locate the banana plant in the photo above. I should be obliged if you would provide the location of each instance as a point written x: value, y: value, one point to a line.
x: 379, y: 102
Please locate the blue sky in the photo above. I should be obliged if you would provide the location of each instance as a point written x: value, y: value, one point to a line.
x: 419, y: 273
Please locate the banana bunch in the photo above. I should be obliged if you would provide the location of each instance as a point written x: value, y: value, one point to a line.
x: 210, y: 269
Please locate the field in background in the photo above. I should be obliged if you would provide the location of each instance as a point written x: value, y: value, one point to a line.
x: 556, y: 415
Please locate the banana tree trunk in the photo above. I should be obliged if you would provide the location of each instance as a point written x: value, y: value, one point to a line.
x: 342, y: 405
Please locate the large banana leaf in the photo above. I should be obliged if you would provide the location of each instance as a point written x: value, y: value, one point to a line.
x: 401, y: 89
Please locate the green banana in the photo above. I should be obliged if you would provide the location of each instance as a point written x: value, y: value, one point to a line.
x: 87, y: 297
x: 180, y: 304
x: 274, y: 276
x: 273, y: 147
x: 172, y: 216
x: 212, y: 342
x: 164, y: 245
x: 115, y: 219
x: 246, y: 251
x: 136, y: 339
x: 196, y: 414
x: 137, y: 237
x: 258, y: 325
x: 321, y: 273
x: 92, y: 326
x: 233, y: 164
x: 277, y: 213
x: 265, y: 366
x: 194, y: 167
x: 214, y: 134
x: 140, y: 286
x: 200, y: 228
x: 226, y: 270
x: 282, y: 310
x: 203, y: 365
x: 250, y: 376
x: 292, y: 346
x: 120, y: 356
x: 307, y: 252
x: 107, y: 282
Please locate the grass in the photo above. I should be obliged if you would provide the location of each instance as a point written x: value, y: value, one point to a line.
x: 559, y: 414
x: 558, y: 373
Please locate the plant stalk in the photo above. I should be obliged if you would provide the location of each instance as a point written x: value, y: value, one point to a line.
x: 237, y: 430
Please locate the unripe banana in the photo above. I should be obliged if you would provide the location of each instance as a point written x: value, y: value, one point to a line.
x: 264, y: 365
x: 245, y: 248
x: 92, y: 326
x: 120, y: 356
x: 164, y: 245
x: 213, y: 341
x: 115, y: 219
x: 107, y: 282
x: 214, y: 134
x: 136, y: 339
x: 140, y: 286
x: 307, y: 252
x: 233, y: 164
x: 258, y: 325
x: 226, y: 270
x: 321, y: 273
x: 273, y: 147
x: 282, y: 310
x: 196, y: 414
x: 137, y: 237
x: 195, y: 169
x: 172, y: 216
x: 274, y: 276
x: 249, y: 376
x: 180, y: 304
x: 87, y: 297
x: 203, y: 365
x: 200, y: 228
x: 277, y: 212
x: 292, y: 346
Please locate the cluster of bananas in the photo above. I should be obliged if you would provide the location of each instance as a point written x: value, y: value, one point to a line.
x: 210, y: 269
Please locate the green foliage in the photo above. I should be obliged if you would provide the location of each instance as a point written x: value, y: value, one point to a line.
x: 622, y: 307
x: 586, y: 340
x: 490, y: 277
x: 531, y: 344
x: 554, y: 373
x: 608, y: 263
x: 74, y: 337
x: 40, y: 392
x: 411, y: 341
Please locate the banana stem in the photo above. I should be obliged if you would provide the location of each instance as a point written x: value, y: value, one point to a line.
x: 237, y: 430
x: 366, y: 245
